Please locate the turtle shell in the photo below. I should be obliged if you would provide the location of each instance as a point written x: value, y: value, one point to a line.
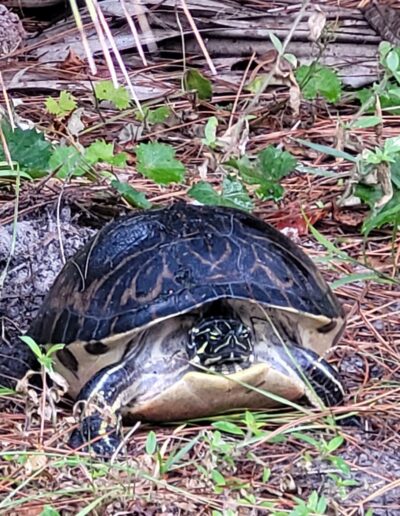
x: 153, y: 265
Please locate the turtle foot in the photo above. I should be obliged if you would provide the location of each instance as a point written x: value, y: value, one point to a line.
x: 87, y: 437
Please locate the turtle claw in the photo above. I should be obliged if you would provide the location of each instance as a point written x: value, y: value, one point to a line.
x: 86, y: 437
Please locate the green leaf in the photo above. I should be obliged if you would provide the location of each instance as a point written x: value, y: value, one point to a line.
x: 49, y: 511
x: 276, y: 163
x: 195, y: 81
x: 35, y: 348
x: 217, y: 478
x: 54, y: 348
x: 388, y: 99
x: 366, y: 121
x: 276, y: 42
x: 291, y: 58
x: 327, y: 150
x: 151, y: 443
x: 384, y: 48
x: 370, y: 194
x: 61, y: 106
x: 313, y: 501
x: 101, y: 152
x: 356, y: 277
x: 131, y: 195
x: 233, y: 195
x: 154, y: 116
x: 210, y: 132
x: 320, y: 80
x: 175, y: 458
x: 28, y: 148
x: 322, y: 505
x: 8, y: 172
x: 157, y: 162
x: 228, y: 427
x: 308, y: 439
x: 271, y: 165
x: 334, y: 443
x: 389, y: 214
x: 395, y: 171
x: 119, y: 96
x: 392, y: 145
x: 204, y: 193
x: 393, y: 61
x: 68, y: 162
x: 266, y: 475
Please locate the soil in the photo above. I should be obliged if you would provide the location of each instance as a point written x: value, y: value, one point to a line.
x: 42, y: 244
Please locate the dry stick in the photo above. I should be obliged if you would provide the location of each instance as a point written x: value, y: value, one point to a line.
x: 267, y: 80
x: 115, y: 50
x: 7, y: 155
x: 95, y: 14
x: 7, y: 102
x: 240, y: 89
x: 85, y: 43
x: 198, y: 37
x: 135, y: 34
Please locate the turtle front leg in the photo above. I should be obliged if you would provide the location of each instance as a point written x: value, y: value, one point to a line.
x: 100, y: 402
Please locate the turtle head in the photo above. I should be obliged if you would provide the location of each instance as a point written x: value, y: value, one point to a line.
x: 221, y: 344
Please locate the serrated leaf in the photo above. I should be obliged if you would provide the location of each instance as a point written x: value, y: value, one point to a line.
x: 154, y: 116
x: 151, y: 443
x: 232, y: 195
x: 195, y: 81
x: 228, y: 427
x: 157, y: 162
x: 29, y: 149
x: 68, y: 162
x: 317, y: 80
x: 271, y: 165
x: 276, y: 163
x: 61, y: 106
x: 119, y: 96
x: 101, y: 152
x: 131, y: 195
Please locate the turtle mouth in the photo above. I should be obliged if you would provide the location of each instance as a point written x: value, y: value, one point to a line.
x: 224, y: 364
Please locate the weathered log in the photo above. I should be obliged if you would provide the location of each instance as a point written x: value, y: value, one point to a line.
x: 232, y: 31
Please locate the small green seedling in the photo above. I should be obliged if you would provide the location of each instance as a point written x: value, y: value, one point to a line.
x: 43, y: 357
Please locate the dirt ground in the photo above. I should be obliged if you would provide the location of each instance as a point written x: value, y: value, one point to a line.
x: 370, y: 373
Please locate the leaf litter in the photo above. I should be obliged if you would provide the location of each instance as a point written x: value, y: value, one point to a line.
x: 198, y: 466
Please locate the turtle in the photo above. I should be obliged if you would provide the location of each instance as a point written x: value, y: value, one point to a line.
x: 188, y: 311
